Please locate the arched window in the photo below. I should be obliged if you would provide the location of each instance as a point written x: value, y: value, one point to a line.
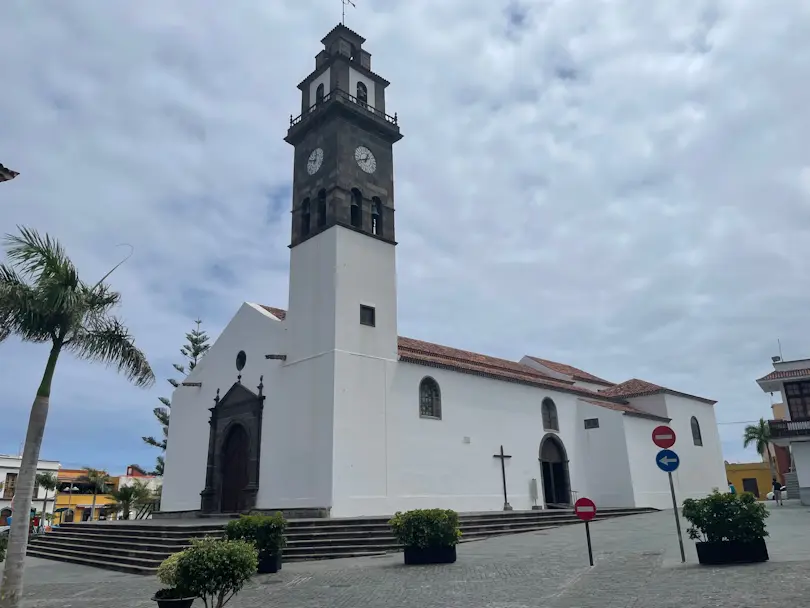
x: 305, y: 217
x: 319, y: 94
x: 357, y: 208
x: 321, y: 208
x: 549, y: 411
x: 697, y: 438
x: 376, y: 216
x: 362, y: 94
x: 430, y: 398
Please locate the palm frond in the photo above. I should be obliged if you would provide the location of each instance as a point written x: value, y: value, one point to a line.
x: 154, y: 442
x: 36, y: 255
x: 21, y: 309
x: 108, y: 341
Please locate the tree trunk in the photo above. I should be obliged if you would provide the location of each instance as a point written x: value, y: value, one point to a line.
x: 12, y: 588
x: 770, y: 459
x: 44, y: 508
x: 93, y: 506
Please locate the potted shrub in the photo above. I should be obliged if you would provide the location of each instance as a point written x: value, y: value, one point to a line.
x: 171, y: 596
x: 215, y: 569
x: 266, y: 533
x: 729, y: 528
x: 428, y: 536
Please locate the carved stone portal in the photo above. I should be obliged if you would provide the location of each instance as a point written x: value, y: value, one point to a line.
x: 234, y: 452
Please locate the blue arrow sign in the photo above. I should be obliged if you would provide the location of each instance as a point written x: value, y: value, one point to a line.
x: 667, y: 461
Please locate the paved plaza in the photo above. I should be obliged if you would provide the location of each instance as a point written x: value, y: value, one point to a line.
x: 637, y: 563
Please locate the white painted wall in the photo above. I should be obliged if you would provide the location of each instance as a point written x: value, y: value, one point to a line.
x: 429, y: 464
x: 321, y: 79
x: 604, y: 459
x: 11, y: 464
x: 354, y: 78
x: 702, y: 467
x: 153, y: 483
x: 650, y: 484
x: 652, y: 404
x: 257, y: 333
x: 801, y: 459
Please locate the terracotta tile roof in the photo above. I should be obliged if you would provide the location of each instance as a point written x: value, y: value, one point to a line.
x: 789, y: 373
x: 640, y: 388
x: 624, y: 407
x: 570, y: 370
x: 279, y: 313
x: 436, y: 355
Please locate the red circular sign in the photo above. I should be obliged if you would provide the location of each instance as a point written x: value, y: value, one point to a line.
x: 585, y: 509
x: 663, y: 436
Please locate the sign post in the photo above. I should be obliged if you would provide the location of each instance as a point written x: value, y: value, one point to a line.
x: 585, y: 509
x: 668, y: 461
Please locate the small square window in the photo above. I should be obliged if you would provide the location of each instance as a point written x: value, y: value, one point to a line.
x: 592, y: 423
x: 367, y: 316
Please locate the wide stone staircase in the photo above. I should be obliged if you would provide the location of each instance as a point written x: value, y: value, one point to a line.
x: 792, y: 485
x: 140, y: 547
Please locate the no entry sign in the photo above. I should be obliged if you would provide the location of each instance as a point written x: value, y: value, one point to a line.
x: 585, y: 509
x: 663, y: 436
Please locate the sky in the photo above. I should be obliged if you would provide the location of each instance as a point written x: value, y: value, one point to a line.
x: 618, y: 185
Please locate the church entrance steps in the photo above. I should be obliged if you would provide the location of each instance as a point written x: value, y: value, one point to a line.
x: 140, y: 547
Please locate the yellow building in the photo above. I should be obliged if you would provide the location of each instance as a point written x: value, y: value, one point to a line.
x: 75, y: 499
x: 754, y: 477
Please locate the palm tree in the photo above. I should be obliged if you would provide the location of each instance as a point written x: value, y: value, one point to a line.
x: 49, y: 483
x: 99, y: 481
x: 43, y: 300
x: 128, y: 497
x: 760, y: 435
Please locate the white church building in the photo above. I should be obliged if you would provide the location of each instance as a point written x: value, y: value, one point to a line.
x: 322, y: 409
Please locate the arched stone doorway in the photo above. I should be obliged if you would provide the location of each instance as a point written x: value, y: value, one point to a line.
x: 234, y: 468
x: 554, y: 466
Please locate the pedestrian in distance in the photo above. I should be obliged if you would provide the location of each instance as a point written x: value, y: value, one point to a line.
x: 777, y: 492
x: 731, y: 488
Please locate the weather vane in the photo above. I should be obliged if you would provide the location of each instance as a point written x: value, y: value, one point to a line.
x: 343, y: 15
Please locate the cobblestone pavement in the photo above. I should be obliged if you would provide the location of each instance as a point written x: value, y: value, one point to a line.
x: 637, y: 564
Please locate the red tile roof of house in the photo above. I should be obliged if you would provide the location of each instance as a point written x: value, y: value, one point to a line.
x: 570, y: 370
x: 641, y: 388
x: 788, y: 373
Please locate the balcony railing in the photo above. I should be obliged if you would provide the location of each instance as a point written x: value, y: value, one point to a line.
x: 785, y: 429
x: 341, y: 95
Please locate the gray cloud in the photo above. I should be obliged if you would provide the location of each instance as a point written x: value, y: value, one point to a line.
x: 621, y: 186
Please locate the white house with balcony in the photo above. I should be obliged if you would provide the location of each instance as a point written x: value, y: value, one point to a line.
x: 791, y: 379
x: 9, y: 471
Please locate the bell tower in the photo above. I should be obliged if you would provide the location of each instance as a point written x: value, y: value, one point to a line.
x: 343, y: 237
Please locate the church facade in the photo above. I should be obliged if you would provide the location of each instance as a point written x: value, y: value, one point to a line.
x: 322, y: 409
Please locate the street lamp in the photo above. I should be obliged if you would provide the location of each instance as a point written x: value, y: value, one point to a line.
x: 7, y: 174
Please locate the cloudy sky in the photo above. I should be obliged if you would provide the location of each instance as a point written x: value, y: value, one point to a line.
x: 620, y: 185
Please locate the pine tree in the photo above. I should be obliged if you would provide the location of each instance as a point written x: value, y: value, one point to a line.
x: 196, y: 346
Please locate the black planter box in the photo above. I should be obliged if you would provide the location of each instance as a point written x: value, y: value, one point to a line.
x: 414, y: 556
x: 732, y: 552
x: 269, y: 563
x: 184, y: 602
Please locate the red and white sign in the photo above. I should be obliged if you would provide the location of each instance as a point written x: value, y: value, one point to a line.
x: 585, y: 509
x: 663, y: 436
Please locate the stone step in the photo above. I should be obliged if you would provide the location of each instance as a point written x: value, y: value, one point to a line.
x: 140, y: 548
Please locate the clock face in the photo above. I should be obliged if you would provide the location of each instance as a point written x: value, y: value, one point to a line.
x: 315, y: 161
x: 365, y: 159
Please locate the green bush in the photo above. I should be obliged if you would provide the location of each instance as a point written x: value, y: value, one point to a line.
x: 215, y: 570
x: 3, y: 547
x: 425, y: 528
x: 725, y: 516
x: 265, y: 532
x: 167, y: 575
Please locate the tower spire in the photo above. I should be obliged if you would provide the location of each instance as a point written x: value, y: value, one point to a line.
x: 343, y: 14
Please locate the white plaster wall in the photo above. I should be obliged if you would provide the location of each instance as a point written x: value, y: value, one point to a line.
x: 429, y: 464
x: 591, y: 386
x: 321, y: 79
x: 153, y: 483
x: 801, y: 458
x: 650, y: 484
x: 603, y: 457
x: 354, y: 78
x: 11, y: 464
x: 257, y: 333
x: 365, y: 270
x: 652, y: 404
x: 702, y: 467
x: 310, y: 321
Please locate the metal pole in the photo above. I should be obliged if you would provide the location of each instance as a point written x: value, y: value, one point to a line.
x: 677, y: 519
x: 588, y: 536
